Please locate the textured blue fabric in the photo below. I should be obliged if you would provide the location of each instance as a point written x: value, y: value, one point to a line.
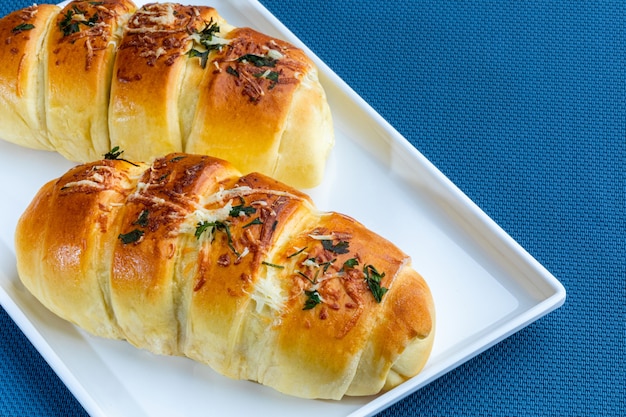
x: 522, y: 104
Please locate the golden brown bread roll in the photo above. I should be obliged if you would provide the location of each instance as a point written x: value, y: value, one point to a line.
x: 164, y: 78
x: 187, y: 257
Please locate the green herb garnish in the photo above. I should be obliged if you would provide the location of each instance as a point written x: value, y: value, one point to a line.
x: 23, y: 27
x: 302, y: 274
x: 115, y: 153
x: 70, y: 25
x: 270, y: 75
x: 297, y: 253
x: 257, y: 60
x: 131, y: 237
x: 373, y: 279
x: 201, y: 227
x: 236, y: 211
x: 206, y: 37
x: 339, y: 248
x: 326, y: 265
x: 206, y: 34
x: 142, y: 220
x: 232, y: 71
x: 350, y: 263
x: 313, y: 299
x: 216, y: 225
x: 253, y: 222
x: 203, y: 55
x: 272, y: 265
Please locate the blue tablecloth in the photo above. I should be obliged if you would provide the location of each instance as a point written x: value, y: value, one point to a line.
x: 522, y: 104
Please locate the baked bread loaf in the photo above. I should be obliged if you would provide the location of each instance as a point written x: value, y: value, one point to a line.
x: 188, y: 257
x: 163, y: 78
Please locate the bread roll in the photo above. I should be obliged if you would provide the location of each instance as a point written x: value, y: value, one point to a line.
x: 187, y: 257
x: 162, y: 78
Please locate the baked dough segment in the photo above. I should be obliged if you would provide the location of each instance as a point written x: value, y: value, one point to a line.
x: 401, y: 342
x: 22, y: 114
x: 207, y: 36
x: 150, y: 67
x: 327, y: 340
x: 80, y: 55
x: 308, y: 136
x: 234, y: 299
x: 68, y: 270
x: 246, y: 100
x: 157, y: 220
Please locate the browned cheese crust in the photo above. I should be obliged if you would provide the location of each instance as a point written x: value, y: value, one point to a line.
x: 162, y: 78
x: 187, y: 257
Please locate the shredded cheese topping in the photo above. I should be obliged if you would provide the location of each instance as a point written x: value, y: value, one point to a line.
x: 267, y: 292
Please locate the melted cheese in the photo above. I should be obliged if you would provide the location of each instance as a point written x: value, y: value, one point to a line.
x: 222, y: 195
x: 215, y: 40
x: 164, y: 15
x: 267, y: 292
x: 85, y: 183
x: 201, y: 215
x: 274, y: 54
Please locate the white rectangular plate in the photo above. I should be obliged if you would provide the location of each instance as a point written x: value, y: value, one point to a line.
x: 485, y: 286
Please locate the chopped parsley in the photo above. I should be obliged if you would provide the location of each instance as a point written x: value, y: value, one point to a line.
x: 350, y: 263
x: 203, y: 55
x: 23, y: 27
x: 340, y: 248
x: 115, y: 153
x: 131, y: 237
x: 70, y: 24
x: 258, y: 60
x: 240, y: 209
x: 232, y: 71
x: 201, y: 227
x: 326, y: 265
x: 270, y: 75
x: 373, y: 279
x: 297, y: 252
x: 272, y: 265
x: 253, y: 222
x: 205, y: 40
x: 142, y: 220
x: 313, y: 299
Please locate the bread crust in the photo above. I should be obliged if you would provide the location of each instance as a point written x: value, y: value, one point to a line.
x: 187, y: 257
